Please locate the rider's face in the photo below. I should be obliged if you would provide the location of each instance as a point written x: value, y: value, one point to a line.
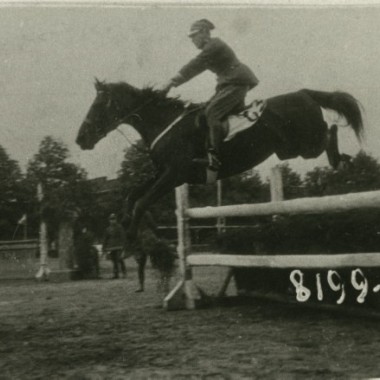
x: 200, y: 38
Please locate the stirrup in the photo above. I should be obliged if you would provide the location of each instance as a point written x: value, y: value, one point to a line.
x: 213, y: 160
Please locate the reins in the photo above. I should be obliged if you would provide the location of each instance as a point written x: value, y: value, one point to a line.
x: 134, y: 113
x: 129, y: 141
x: 172, y: 124
x: 118, y: 121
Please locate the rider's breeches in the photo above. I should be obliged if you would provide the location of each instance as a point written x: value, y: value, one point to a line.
x: 227, y: 99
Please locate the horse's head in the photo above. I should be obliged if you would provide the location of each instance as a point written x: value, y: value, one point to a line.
x: 113, y: 104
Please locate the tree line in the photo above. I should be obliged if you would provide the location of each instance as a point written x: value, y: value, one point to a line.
x: 68, y: 193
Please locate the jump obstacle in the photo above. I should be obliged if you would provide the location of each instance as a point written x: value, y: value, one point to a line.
x: 187, y: 295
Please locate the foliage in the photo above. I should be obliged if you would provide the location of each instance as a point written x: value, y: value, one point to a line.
x: 302, y: 234
x: 12, y: 199
x: 291, y: 182
x: 245, y: 188
x: 316, y: 181
x: 344, y: 232
x: 362, y: 175
x: 58, y: 177
x: 137, y: 167
x: 66, y: 193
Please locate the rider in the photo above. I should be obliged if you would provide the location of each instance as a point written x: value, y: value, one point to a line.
x: 234, y: 80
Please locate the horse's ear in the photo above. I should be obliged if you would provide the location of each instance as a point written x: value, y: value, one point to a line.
x: 99, y: 86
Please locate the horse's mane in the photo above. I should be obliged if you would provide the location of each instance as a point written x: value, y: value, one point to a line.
x: 160, y: 98
x: 147, y: 93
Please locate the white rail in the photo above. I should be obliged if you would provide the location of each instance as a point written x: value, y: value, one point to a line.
x: 287, y: 261
x: 321, y: 205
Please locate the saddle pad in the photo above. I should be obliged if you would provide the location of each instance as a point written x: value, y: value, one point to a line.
x: 247, y: 118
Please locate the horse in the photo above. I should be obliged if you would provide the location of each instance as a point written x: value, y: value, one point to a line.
x: 289, y: 126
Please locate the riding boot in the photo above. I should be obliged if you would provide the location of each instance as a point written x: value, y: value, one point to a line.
x: 212, y: 161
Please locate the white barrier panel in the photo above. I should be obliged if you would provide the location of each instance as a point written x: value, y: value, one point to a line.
x: 287, y: 261
x: 332, y: 203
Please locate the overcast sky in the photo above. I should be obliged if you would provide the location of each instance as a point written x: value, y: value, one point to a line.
x: 50, y: 56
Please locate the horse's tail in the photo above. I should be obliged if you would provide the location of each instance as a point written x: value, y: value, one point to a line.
x: 343, y: 103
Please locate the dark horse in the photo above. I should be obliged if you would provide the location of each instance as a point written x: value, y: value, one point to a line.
x: 291, y: 125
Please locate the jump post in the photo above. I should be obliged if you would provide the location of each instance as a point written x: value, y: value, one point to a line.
x: 187, y: 295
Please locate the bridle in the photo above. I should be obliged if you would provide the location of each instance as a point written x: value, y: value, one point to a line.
x: 117, y: 120
x: 135, y: 114
x: 123, y: 120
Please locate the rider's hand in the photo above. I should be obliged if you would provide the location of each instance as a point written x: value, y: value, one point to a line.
x: 166, y: 87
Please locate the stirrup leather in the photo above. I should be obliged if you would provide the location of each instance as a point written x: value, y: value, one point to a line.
x: 213, y: 160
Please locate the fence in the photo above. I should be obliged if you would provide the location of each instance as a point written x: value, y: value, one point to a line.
x: 187, y: 294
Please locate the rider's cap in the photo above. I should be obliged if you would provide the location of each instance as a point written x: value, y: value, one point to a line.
x: 199, y: 25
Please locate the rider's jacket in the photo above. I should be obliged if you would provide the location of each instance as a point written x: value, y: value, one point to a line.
x: 219, y: 58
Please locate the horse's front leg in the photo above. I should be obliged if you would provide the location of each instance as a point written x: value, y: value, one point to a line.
x: 129, y: 202
x: 163, y: 184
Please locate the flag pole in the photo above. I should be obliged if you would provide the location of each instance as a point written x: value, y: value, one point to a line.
x: 44, y: 271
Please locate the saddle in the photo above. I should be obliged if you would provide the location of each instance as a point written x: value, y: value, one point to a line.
x: 245, y: 119
x: 232, y: 125
x: 238, y: 121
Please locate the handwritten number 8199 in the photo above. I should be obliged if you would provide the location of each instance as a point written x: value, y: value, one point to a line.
x: 358, y: 281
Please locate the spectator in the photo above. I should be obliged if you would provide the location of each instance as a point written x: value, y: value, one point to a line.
x: 147, y: 233
x: 86, y: 254
x: 114, y: 243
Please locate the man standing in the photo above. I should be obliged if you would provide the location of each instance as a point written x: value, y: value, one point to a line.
x: 113, y: 243
x: 86, y: 255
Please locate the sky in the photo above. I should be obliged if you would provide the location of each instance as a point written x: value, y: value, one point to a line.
x: 50, y: 56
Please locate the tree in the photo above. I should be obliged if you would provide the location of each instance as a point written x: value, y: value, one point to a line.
x: 137, y: 167
x: 64, y: 183
x: 343, y: 232
x: 291, y: 181
x: 245, y: 188
x: 12, y: 201
x: 50, y: 167
x: 363, y: 174
x: 316, y: 181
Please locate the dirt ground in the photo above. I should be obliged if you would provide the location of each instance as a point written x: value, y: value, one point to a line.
x: 102, y: 329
